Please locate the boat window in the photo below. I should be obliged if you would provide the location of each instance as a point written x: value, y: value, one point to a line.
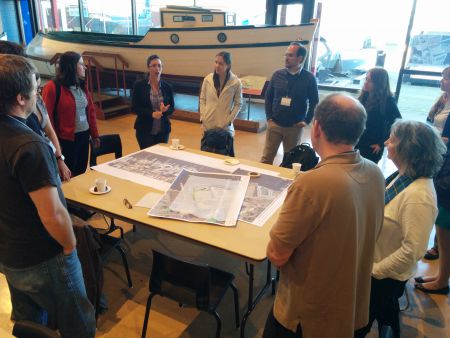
x: 222, y: 37
x: 174, y: 38
x: 207, y: 18
x: 183, y: 18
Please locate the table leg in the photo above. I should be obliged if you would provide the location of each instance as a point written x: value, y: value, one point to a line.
x: 249, y: 101
x: 252, y: 302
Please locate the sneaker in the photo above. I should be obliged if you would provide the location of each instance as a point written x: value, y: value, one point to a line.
x: 432, y: 254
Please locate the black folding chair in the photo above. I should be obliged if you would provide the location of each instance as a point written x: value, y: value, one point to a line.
x: 191, y: 284
x: 109, y: 144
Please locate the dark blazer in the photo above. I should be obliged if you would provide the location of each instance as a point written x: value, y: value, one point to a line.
x: 442, y: 182
x: 142, y: 106
x: 446, y: 130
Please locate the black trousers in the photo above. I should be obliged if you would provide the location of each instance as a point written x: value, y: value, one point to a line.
x: 367, y: 152
x: 145, y: 139
x: 384, y: 306
x: 76, y: 152
x: 274, y: 329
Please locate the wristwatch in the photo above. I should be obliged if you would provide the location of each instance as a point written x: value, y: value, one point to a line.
x: 60, y: 157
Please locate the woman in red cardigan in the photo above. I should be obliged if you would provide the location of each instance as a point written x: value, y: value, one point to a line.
x: 73, y: 117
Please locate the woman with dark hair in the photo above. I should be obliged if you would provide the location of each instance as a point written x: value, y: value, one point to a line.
x: 221, y: 98
x: 438, y: 283
x: 438, y: 116
x: 409, y: 214
x: 382, y: 111
x: 48, y: 132
x: 72, y: 112
x: 153, y: 103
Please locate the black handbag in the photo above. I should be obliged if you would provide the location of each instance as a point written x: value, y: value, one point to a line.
x: 303, y: 154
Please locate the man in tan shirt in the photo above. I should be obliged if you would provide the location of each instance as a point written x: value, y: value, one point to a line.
x: 323, y: 242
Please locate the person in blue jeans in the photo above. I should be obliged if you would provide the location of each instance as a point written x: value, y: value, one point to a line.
x: 37, y: 242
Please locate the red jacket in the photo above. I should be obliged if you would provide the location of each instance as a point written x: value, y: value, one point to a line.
x: 65, y: 128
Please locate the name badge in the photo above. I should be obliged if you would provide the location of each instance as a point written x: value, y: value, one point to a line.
x: 286, y: 101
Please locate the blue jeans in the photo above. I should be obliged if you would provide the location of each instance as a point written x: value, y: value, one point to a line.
x: 54, y: 288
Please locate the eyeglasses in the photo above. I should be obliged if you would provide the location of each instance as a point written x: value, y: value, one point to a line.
x: 127, y: 204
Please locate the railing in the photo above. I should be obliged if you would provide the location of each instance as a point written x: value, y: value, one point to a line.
x: 117, y: 58
x: 91, y: 60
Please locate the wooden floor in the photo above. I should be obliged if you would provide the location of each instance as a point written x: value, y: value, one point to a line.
x: 427, y: 316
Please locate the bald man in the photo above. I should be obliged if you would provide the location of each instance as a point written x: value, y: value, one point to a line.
x: 323, y: 241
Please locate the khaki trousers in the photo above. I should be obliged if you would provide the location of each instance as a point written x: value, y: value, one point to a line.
x: 275, y: 134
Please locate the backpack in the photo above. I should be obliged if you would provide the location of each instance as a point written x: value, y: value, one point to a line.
x: 217, y: 141
x: 303, y: 154
x: 57, y: 96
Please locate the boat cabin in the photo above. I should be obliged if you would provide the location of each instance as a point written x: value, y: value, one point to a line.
x: 186, y: 17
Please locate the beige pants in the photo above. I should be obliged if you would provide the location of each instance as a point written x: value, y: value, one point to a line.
x: 290, y: 136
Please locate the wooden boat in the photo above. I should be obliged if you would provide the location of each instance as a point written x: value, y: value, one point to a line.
x: 187, y: 52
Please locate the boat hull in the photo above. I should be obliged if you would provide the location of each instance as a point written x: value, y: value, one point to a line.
x: 255, y: 50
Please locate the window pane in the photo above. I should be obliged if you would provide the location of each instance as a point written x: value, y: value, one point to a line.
x: 8, y: 22
x: 429, y: 50
x: 143, y: 16
x: 360, y: 35
x: 107, y: 16
x: 289, y: 14
x: 67, y: 16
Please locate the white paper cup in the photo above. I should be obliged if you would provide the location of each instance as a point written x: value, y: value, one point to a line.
x: 296, y: 168
x: 100, y: 184
x: 175, y: 143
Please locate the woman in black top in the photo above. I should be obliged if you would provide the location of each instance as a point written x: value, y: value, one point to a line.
x: 382, y: 111
x: 153, y: 103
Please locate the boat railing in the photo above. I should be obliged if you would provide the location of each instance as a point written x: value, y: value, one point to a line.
x: 94, y: 56
x: 91, y: 59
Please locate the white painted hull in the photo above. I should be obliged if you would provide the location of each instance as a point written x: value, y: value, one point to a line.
x: 255, y: 51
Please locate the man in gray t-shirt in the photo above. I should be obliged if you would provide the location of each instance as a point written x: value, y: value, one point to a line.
x: 37, y: 243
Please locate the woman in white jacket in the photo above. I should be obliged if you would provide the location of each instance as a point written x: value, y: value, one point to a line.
x: 221, y: 98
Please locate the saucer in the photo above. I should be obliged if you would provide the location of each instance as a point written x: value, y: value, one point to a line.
x: 92, y: 191
x: 180, y: 147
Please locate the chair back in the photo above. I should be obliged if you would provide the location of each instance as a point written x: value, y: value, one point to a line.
x: 181, y: 281
x: 109, y: 144
x: 27, y: 329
